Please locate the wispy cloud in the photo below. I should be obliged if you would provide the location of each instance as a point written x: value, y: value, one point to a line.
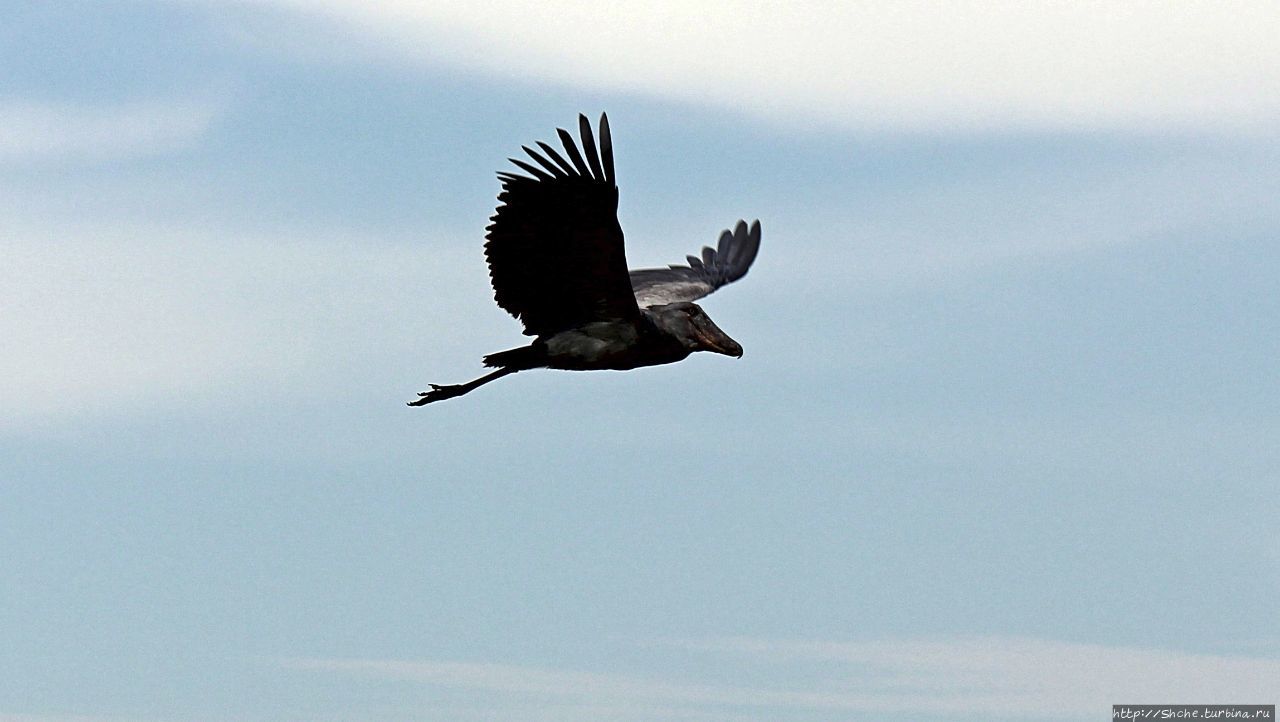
x: 975, y: 64
x: 114, y: 312
x: 998, y: 676
x: 37, y: 130
x: 959, y: 228
x: 125, y: 318
x: 1020, y: 676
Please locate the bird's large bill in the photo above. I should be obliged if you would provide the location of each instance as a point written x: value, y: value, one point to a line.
x: 713, y: 339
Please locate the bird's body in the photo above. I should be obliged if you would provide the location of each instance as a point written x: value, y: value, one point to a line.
x: 615, y: 345
x: 557, y: 263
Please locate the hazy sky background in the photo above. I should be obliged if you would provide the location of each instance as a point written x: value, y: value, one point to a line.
x: 1003, y: 444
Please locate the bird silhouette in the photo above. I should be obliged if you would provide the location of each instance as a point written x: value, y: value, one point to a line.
x: 557, y: 264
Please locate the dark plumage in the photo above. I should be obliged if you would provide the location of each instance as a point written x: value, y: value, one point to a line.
x: 557, y: 263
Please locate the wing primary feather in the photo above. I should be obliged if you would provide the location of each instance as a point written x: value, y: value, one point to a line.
x: 535, y: 172
x: 750, y: 248
x: 725, y: 246
x: 708, y: 256
x: 589, y: 147
x: 694, y: 262
x: 555, y: 170
x: 606, y: 149
x: 746, y: 245
x: 553, y: 155
x: 571, y: 148
x: 738, y: 243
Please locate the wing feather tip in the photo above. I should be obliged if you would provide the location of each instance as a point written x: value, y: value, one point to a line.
x: 589, y: 147
x: 606, y: 149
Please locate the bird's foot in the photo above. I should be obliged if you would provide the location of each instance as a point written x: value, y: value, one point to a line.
x: 439, y: 393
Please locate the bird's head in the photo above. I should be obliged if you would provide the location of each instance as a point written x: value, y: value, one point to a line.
x: 691, y: 325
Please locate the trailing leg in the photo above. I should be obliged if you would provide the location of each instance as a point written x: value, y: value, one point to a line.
x: 440, y: 393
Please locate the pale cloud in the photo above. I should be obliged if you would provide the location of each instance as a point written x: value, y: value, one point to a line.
x: 113, y: 315
x: 1022, y: 676
x: 998, y: 676
x: 880, y: 65
x: 31, y: 130
x: 125, y: 318
x: 958, y: 228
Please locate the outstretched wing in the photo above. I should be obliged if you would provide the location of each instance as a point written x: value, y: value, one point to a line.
x: 555, y: 248
x: 726, y: 263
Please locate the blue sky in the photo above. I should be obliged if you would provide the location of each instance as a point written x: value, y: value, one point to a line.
x: 1003, y: 443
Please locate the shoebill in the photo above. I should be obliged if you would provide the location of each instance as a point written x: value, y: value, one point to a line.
x: 557, y: 264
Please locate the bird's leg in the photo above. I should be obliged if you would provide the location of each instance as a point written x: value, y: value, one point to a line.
x: 440, y: 393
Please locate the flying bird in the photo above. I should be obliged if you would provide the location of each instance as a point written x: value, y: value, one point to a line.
x: 557, y: 264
